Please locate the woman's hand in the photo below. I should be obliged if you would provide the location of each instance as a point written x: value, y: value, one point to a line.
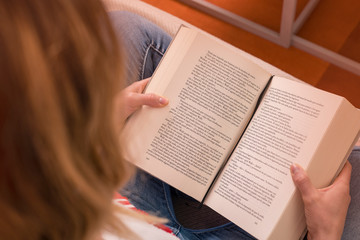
x: 131, y: 99
x: 325, y: 209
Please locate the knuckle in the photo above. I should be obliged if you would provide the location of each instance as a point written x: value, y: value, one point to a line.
x: 346, y: 196
x: 130, y: 95
x: 302, y: 180
x: 311, y: 199
x: 151, y: 98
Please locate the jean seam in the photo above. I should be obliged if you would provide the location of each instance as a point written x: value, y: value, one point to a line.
x: 156, y: 49
x: 178, y: 227
x: 151, y: 45
x: 144, y: 61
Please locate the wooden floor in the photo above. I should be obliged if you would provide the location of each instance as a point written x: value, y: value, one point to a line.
x: 334, y: 25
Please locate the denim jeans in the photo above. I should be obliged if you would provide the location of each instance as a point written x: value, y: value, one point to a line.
x: 145, y: 45
x: 352, y: 224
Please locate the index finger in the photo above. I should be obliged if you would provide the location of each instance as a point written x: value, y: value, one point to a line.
x: 138, y: 86
x: 345, y: 174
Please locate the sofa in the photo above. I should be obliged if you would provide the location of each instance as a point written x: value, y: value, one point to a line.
x: 170, y: 24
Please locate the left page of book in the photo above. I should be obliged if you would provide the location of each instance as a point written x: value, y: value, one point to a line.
x: 212, y: 93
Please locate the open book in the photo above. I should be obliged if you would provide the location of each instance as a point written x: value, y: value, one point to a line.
x: 231, y: 132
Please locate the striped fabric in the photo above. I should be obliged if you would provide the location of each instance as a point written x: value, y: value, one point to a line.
x: 123, y: 201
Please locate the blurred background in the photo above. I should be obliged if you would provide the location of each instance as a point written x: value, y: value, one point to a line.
x: 333, y: 24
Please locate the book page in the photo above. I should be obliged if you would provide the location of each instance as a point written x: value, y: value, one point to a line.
x: 212, y: 93
x: 288, y: 127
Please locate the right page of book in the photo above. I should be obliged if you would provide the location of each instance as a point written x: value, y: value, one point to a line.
x: 294, y: 123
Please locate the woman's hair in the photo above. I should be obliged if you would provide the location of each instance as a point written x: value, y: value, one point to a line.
x: 60, y: 68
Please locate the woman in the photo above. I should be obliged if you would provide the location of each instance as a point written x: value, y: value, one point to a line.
x: 61, y: 111
x: 61, y: 71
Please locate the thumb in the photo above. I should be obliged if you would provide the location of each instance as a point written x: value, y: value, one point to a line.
x: 302, y: 181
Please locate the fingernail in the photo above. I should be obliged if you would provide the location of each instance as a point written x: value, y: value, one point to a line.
x: 163, y: 101
x: 294, y: 168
